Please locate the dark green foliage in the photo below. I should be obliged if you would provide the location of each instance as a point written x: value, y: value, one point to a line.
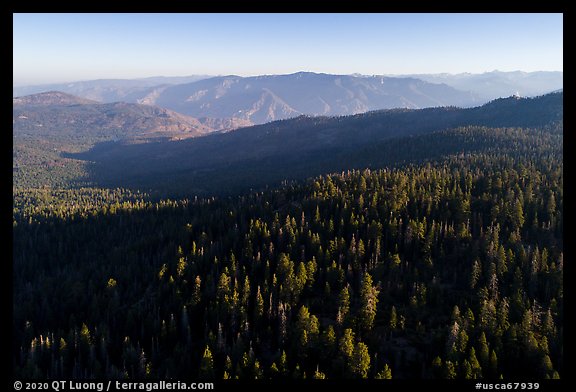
x: 420, y: 270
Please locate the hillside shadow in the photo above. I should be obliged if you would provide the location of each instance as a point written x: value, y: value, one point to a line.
x: 265, y: 155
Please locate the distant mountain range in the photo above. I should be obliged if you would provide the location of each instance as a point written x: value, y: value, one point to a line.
x: 231, y: 101
x: 496, y: 84
x: 228, y: 102
x: 50, y: 98
x: 262, y: 99
x: 108, y: 90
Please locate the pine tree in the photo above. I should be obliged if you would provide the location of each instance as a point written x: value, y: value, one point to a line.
x: 360, y: 361
x: 318, y: 375
x: 518, y: 214
x: 483, y: 350
x: 474, y: 364
x: 437, y: 367
x: 343, y: 304
x: 475, y: 274
x: 384, y: 374
x: 283, y: 364
x: 368, y: 303
x: 466, y: 370
x: 546, y: 368
x: 449, y: 371
x: 346, y: 344
x: 493, y: 366
x: 207, y: 365
x: 393, y: 321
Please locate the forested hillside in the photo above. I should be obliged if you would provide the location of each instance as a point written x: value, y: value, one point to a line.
x: 47, y: 125
x: 266, y: 155
x: 446, y: 263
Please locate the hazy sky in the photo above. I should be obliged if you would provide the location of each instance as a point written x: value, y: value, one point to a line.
x: 67, y: 47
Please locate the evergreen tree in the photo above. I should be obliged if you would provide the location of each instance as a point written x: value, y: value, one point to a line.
x: 368, y: 303
x: 360, y: 361
x: 385, y: 373
x: 207, y: 365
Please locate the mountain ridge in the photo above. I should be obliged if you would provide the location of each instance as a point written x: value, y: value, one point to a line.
x: 308, y: 93
x: 49, y: 98
x: 498, y: 84
x: 301, y: 147
x: 252, y: 100
x: 57, y: 112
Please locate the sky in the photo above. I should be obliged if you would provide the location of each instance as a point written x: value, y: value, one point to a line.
x: 51, y: 48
